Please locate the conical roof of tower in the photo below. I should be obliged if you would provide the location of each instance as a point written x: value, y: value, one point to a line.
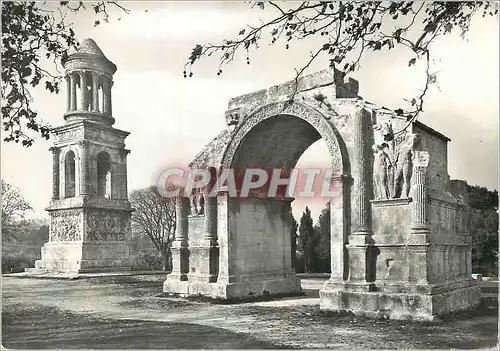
x: 89, y: 46
x: 89, y: 50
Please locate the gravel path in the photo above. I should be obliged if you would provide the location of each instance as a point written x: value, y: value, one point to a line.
x: 129, y: 312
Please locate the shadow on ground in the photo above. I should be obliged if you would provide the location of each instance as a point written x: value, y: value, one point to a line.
x: 50, y: 328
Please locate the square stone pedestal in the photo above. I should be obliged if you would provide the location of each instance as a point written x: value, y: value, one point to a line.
x: 84, y: 257
x: 401, y: 301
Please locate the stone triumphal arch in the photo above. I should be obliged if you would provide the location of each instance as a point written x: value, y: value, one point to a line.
x: 400, y: 245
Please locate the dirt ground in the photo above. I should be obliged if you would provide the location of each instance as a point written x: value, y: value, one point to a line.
x: 130, y: 312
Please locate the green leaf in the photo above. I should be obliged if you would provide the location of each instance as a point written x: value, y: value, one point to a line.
x: 412, y: 62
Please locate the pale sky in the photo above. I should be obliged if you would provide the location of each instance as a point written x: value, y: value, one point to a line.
x: 171, y: 118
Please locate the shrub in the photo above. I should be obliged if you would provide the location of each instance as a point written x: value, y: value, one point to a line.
x: 17, y: 261
x: 149, y: 259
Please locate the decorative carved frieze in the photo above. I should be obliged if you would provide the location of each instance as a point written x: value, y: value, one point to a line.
x: 105, y: 136
x: 66, y: 225
x: 105, y: 225
x: 68, y: 135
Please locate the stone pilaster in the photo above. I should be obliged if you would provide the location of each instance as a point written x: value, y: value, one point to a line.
x: 420, y: 218
x: 208, y: 253
x: 55, y: 172
x: 419, y: 226
x: 95, y: 92
x: 123, y: 174
x: 84, y: 167
x: 180, y: 250
x: 83, y: 90
x: 338, y: 238
x: 72, y: 80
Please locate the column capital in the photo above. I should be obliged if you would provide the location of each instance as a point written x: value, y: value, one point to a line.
x: 55, y: 150
x: 84, y: 143
x: 124, y: 153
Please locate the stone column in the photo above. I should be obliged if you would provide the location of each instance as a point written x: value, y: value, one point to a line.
x: 420, y: 218
x: 107, y: 95
x: 95, y: 92
x: 180, y: 251
x: 210, y: 218
x: 84, y: 169
x: 361, y: 264
x: 72, y: 80
x: 362, y: 185
x: 55, y: 172
x: 83, y: 90
x: 68, y: 88
x: 110, y: 109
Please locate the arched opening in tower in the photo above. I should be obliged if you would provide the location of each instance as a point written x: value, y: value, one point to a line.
x: 70, y: 176
x: 78, y: 92
x: 104, y: 175
x: 88, y: 91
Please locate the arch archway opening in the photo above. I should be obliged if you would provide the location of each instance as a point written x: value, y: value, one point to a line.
x: 104, y: 175
x: 317, y: 259
x: 263, y: 226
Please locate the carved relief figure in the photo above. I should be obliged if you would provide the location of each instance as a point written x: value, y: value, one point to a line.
x: 386, y: 131
x: 197, y: 202
x: 403, y: 170
x: 107, y: 226
x: 382, y: 166
x: 65, y: 226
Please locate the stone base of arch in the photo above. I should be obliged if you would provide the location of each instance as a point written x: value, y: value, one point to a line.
x: 240, y: 290
x: 422, y: 303
x: 237, y: 264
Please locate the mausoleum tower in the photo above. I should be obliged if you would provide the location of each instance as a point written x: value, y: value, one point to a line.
x: 89, y: 78
x: 89, y: 211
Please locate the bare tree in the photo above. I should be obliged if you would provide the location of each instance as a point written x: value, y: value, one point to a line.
x: 154, y: 217
x: 348, y: 29
x: 14, y: 208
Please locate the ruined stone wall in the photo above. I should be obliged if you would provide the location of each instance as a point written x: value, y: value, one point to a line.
x: 437, y: 148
